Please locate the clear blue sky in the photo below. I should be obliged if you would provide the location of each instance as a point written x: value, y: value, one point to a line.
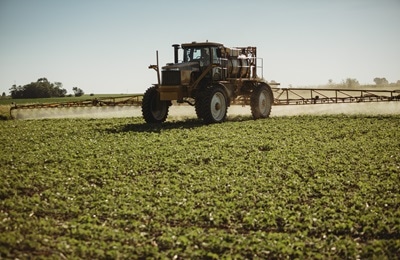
x: 106, y: 46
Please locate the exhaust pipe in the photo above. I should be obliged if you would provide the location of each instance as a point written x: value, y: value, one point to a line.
x: 176, y: 48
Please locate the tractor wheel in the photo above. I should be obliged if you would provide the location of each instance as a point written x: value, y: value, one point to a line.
x: 198, y: 106
x: 261, y: 101
x: 213, y: 105
x: 153, y: 109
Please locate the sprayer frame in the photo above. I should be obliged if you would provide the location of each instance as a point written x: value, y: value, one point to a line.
x: 239, y: 86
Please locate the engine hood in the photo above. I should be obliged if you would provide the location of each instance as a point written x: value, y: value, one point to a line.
x: 193, y: 66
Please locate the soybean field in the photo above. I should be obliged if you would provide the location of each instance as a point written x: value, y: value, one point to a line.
x: 324, y: 187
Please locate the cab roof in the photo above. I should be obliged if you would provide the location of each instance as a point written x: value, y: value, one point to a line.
x: 201, y: 44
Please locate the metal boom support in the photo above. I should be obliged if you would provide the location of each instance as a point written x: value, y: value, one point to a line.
x: 307, y: 96
x: 282, y: 96
x: 131, y: 100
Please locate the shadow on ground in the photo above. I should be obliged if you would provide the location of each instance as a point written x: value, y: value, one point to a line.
x: 157, y: 128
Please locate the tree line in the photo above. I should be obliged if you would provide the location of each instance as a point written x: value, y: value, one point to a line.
x: 353, y: 83
x: 42, y: 88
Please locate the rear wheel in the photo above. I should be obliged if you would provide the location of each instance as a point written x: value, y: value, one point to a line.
x: 154, y: 110
x: 261, y: 101
x: 213, y: 105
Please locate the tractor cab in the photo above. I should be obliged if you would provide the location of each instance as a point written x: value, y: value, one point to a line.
x: 199, y: 54
x: 197, y: 57
x: 204, y: 54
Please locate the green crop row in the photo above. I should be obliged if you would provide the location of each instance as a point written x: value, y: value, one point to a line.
x: 284, y: 187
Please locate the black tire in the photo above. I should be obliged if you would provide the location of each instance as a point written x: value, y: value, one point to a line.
x: 153, y: 109
x: 198, y: 106
x: 261, y: 101
x: 213, y: 105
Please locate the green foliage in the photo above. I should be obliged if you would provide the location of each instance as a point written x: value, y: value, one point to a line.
x: 4, y: 112
x: 78, y: 92
x: 42, y: 88
x: 288, y: 187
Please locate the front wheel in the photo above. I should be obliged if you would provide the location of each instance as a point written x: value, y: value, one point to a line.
x: 154, y: 110
x: 261, y: 101
x: 214, y: 105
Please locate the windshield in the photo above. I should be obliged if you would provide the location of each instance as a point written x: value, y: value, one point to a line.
x: 201, y: 54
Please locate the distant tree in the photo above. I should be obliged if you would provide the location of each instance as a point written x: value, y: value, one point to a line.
x: 42, y: 88
x: 351, y: 83
x: 15, y: 91
x: 381, y: 81
x: 78, y: 92
x: 42, y: 80
x: 59, y: 91
x: 3, y: 95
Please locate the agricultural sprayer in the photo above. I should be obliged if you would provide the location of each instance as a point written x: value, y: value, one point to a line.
x: 211, y: 77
